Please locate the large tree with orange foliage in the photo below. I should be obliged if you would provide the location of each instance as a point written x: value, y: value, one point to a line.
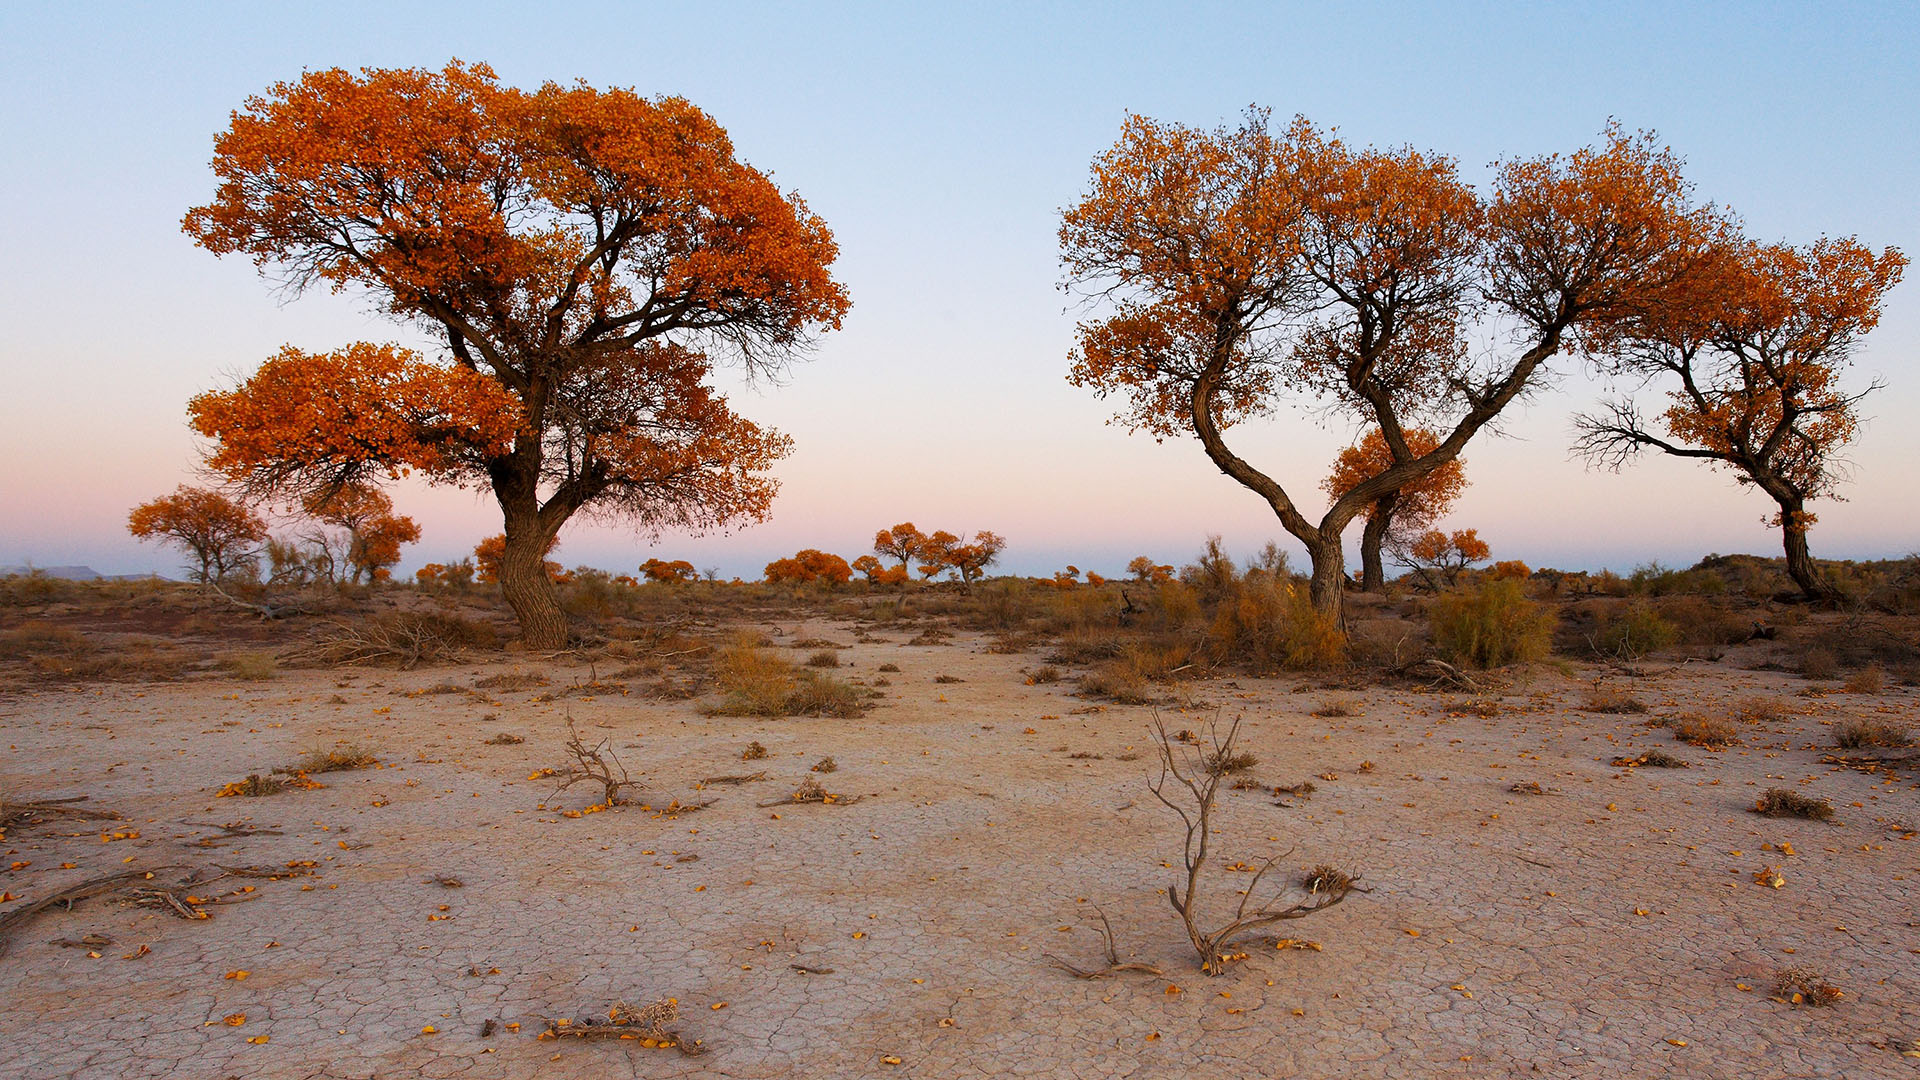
x: 222, y: 535
x: 1237, y: 266
x: 1399, y: 514
x: 582, y: 256
x: 1751, y: 351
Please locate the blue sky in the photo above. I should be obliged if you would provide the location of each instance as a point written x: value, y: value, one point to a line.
x: 940, y: 148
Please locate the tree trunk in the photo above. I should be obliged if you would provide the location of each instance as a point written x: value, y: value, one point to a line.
x: 526, y: 586
x: 1329, y: 580
x: 1814, y: 585
x: 1373, y: 575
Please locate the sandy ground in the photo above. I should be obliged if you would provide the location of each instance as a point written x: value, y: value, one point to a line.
x: 1609, y: 928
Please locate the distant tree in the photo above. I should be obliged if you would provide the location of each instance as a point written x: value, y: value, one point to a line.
x: 935, y: 554
x: 220, y: 534
x: 970, y: 560
x: 879, y: 573
x: 583, y: 257
x: 1411, y: 510
x: 373, y: 533
x: 902, y: 542
x: 1237, y: 265
x: 1148, y: 572
x: 677, y: 570
x: 1751, y: 352
x: 1439, y: 558
x: 809, y: 565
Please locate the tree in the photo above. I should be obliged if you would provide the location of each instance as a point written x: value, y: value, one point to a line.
x: 675, y: 571
x: 902, y: 542
x: 1237, y: 266
x: 1405, y: 512
x: 1147, y: 572
x: 374, y: 534
x: 584, y: 255
x: 878, y: 573
x: 1441, y: 557
x: 1751, y: 351
x: 970, y: 560
x: 218, y: 532
x: 808, y: 565
x: 936, y: 554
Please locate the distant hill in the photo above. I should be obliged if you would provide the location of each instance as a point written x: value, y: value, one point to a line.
x: 70, y: 573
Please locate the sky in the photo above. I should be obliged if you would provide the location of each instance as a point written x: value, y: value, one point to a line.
x: 940, y: 146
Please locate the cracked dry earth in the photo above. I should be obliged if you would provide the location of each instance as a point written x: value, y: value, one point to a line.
x: 1611, y: 927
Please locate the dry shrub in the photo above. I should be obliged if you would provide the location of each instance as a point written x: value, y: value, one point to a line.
x: 253, y: 787
x: 1700, y: 621
x: 43, y: 639
x: 1780, y: 802
x: 1042, y: 675
x: 753, y: 752
x: 825, y: 658
x: 405, y: 639
x: 504, y: 738
x: 1653, y: 759
x: 758, y: 683
x: 1868, y: 680
x: 948, y: 679
x: 1609, y: 700
x: 1861, y: 734
x: 1806, y: 986
x: 338, y: 759
x: 253, y: 666
x: 1707, y: 732
x: 893, y: 668
x: 824, y: 765
x: 1760, y: 710
x: 1492, y: 624
x: 1227, y: 762
x: 1334, y: 709
x: 1819, y: 664
x: 1263, y: 623
x: 510, y: 681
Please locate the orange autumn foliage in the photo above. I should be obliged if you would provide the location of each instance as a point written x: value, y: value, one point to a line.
x: 220, y: 534
x: 488, y: 553
x: 1419, y: 504
x: 375, y: 534
x: 677, y: 570
x: 585, y: 255
x: 809, y: 565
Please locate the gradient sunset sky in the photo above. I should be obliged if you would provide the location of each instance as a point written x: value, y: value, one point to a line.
x: 940, y: 148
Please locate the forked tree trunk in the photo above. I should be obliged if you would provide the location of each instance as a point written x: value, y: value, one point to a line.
x: 1373, y: 574
x: 526, y: 586
x: 1814, y: 585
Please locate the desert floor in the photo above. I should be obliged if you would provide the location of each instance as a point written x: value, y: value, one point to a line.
x: 1610, y: 927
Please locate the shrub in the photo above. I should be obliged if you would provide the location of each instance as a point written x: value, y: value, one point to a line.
x: 1779, y: 802
x: 1868, y: 680
x: 253, y: 666
x: 338, y: 759
x: 1635, y: 634
x: 824, y: 658
x: 758, y: 683
x: 1266, y: 623
x: 1042, y: 675
x: 1819, y: 664
x: 1760, y: 710
x: 1805, y: 986
x: 1704, y: 731
x: 1859, y: 734
x: 810, y: 565
x: 1609, y: 700
x: 1492, y: 624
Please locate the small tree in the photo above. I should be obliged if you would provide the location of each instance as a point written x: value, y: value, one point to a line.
x: 583, y: 256
x: 878, y: 573
x: 373, y: 533
x: 902, y: 542
x: 935, y: 554
x: 970, y: 560
x: 1439, y: 558
x: 220, y: 534
x: 1751, y: 352
x: 1239, y: 265
x: 1403, y: 513
x: 676, y: 571
x: 1147, y: 572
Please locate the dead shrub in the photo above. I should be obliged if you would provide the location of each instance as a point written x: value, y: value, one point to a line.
x: 504, y: 739
x: 43, y: 639
x: 1819, y: 664
x: 1609, y: 700
x: 1760, y: 710
x: 595, y: 764
x: 1492, y: 624
x: 1780, y: 802
x: 1706, y: 732
x: 1868, y: 680
x: 1043, y: 675
x: 825, y: 658
x: 1224, y: 764
x: 253, y: 666
x: 1652, y: 759
x: 946, y: 679
x: 339, y: 759
x: 753, y: 752
x: 1862, y: 734
x: 405, y: 639
x: 1806, y: 986
x: 824, y: 765
x: 1334, y: 709
x: 253, y: 787
x: 510, y: 681
x: 892, y: 668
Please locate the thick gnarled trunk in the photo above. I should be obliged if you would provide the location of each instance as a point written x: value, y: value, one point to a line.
x: 1328, y: 584
x: 525, y: 584
x: 1373, y: 573
x: 1814, y: 586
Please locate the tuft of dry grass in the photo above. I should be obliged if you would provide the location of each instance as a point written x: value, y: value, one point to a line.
x: 825, y: 658
x: 1707, y: 732
x: 1652, y: 759
x: 1780, y: 802
x: 758, y: 683
x: 753, y: 752
x: 253, y: 787
x: 1327, y: 878
x: 338, y: 759
x: 1042, y: 675
x: 1762, y: 710
x: 893, y: 668
x: 1819, y: 664
x: 1806, y: 986
x: 505, y: 739
x: 1334, y: 709
x: 1606, y: 699
x: 253, y: 666
x: 1861, y: 734
x: 1225, y: 763
x: 1868, y: 680
x: 824, y: 765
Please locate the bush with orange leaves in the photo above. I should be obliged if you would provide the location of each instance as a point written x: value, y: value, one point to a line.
x: 809, y: 565
x: 677, y: 570
x: 1148, y: 572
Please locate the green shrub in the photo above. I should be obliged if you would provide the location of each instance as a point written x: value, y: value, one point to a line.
x: 1491, y: 624
x: 1635, y: 634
